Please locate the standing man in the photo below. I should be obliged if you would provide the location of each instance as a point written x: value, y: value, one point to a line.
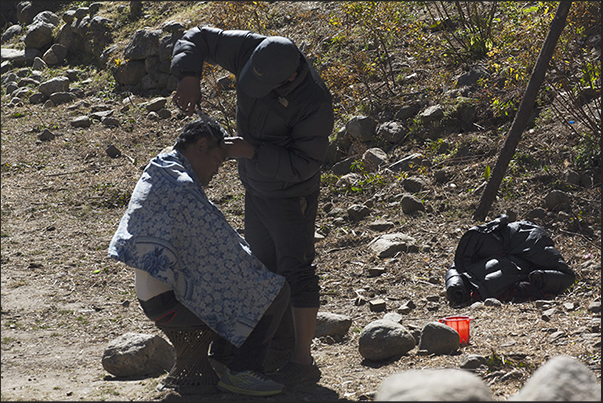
x: 284, y: 120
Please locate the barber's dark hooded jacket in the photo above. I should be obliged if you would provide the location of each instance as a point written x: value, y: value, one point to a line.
x: 290, y: 127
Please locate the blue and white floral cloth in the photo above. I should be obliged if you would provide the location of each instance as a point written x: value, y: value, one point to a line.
x: 172, y: 231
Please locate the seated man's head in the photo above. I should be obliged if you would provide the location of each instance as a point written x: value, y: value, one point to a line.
x: 199, y: 142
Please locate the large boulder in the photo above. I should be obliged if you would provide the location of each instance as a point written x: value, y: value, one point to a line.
x: 136, y: 354
x: 434, y: 385
x: 383, y: 339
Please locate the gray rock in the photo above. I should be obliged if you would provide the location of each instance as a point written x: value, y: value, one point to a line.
x: 383, y: 339
x: 71, y: 40
x: 68, y: 16
x: 440, y: 176
x: 11, y: 87
x: 62, y: 97
x: 110, y: 122
x: 471, y: 77
x: 437, y: 338
x: 432, y: 114
x: 26, y: 12
x: 144, y: 43
x: 407, y: 111
x: 55, y: 55
x: 15, y: 102
x: 94, y: 8
x: 351, y: 179
x: 112, y: 151
x: 46, y: 135
x: 56, y: 84
x: 361, y: 128
x: 28, y: 82
x: 164, y: 113
x: 358, y: 212
x: 36, y: 98
x: 81, y: 121
x: 39, y: 64
x: 155, y: 104
x: 373, y: 158
x: 393, y: 316
x: 11, y: 32
x: 411, y: 204
x: 73, y: 75
x: 375, y: 271
x: 562, y: 378
x: 101, y: 114
x: 411, y: 162
x: 492, y: 302
x: 380, y: 225
x: 389, y: 244
x: 36, y: 75
x: 39, y: 34
x: 473, y: 361
x: 81, y: 12
x: 572, y: 177
x: 392, y: 132
x: 135, y: 354
x: 20, y: 57
x: 130, y: 72
x: 433, y: 385
x: 594, y: 307
x: 148, y: 83
x: 332, y: 324
x: 48, y: 17
x: 465, y: 110
x: 406, y: 307
x: 173, y: 27
x: 343, y: 167
x: 166, y: 46
x: 22, y: 92
x: 9, y: 77
x: 377, y: 305
x: 413, y: 185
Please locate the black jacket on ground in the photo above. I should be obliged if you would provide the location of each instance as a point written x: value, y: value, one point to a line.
x: 508, y: 261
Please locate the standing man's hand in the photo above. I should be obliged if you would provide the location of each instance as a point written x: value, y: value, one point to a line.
x: 188, y: 94
x: 237, y: 147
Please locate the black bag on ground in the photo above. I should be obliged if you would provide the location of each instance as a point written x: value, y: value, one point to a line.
x: 514, y: 261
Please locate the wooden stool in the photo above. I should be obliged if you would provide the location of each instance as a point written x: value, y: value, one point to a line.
x: 192, y: 373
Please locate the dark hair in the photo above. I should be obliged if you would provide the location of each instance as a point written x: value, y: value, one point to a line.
x: 206, y: 127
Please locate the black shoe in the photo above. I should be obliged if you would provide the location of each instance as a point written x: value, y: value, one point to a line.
x: 292, y: 373
x: 275, y: 358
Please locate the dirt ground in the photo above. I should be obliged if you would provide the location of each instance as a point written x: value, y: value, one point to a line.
x: 64, y: 300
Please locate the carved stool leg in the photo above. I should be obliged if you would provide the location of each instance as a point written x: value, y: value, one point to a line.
x: 192, y: 373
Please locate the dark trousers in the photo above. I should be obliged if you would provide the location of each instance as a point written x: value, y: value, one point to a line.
x: 280, y: 232
x: 165, y: 310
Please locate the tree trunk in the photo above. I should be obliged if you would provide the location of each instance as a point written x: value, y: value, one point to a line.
x: 525, y: 110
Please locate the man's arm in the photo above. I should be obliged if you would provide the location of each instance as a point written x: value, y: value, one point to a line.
x: 228, y: 49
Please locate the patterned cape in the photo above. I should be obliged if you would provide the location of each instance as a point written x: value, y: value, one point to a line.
x: 172, y: 231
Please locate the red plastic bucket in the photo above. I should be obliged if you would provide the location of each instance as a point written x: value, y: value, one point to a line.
x: 461, y: 325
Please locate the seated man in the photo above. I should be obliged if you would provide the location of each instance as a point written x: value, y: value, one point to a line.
x: 192, y: 266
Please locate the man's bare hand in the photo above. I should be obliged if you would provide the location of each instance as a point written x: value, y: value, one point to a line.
x: 188, y: 94
x: 237, y: 147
